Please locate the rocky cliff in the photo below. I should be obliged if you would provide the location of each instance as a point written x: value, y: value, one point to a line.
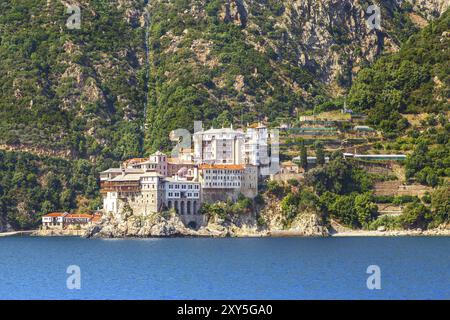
x: 429, y: 9
x: 127, y: 224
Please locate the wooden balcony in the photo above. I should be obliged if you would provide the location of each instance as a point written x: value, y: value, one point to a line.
x: 120, y: 187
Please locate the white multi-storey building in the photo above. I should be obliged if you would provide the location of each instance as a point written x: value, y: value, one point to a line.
x: 182, y: 195
x: 221, y: 182
x: 256, y: 145
x: 219, y: 146
x: 221, y: 176
x: 233, y: 147
x: 150, y: 192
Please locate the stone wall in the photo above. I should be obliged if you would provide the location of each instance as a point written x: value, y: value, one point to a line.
x: 281, y: 177
x: 249, y: 186
x: 220, y: 195
x: 396, y: 188
x: 193, y: 220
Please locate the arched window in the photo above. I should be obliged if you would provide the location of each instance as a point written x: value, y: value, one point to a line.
x: 194, y: 207
x: 182, y: 208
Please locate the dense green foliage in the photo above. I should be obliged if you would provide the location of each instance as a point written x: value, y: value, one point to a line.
x: 344, y: 191
x: 338, y: 190
x: 298, y: 202
x: 226, y: 210
x: 419, y: 214
x: 78, y: 94
x: 31, y: 186
x: 320, y: 154
x: 416, y: 79
x: 339, y: 176
x: 440, y: 204
x: 354, y: 210
x: 430, y: 161
x: 303, y: 157
x: 71, y: 90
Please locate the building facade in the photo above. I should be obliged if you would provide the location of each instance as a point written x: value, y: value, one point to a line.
x: 64, y: 219
x: 257, y: 146
x: 224, y: 164
x: 219, y: 146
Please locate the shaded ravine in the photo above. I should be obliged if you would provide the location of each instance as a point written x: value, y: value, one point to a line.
x: 147, y: 26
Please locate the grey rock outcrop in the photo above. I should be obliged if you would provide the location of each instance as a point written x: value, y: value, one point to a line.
x: 156, y: 225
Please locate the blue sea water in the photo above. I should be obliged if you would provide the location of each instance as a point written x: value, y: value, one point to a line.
x: 184, y: 268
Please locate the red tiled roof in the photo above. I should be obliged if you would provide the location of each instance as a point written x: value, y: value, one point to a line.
x: 54, y: 215
x: 94, y: 218
x: 79, y: 216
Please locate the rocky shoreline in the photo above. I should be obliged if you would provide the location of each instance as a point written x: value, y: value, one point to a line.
x: 170, y: 226
x: 128, y: 225
x: 207, y: 233
x: 17, y: 233
x: 395, y: 233
x: 216, y: 231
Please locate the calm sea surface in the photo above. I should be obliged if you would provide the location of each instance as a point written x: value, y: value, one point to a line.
x: 287, y: 268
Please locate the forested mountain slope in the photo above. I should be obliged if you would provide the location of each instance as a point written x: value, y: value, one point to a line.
x: 79, y: 91
x: 93, y: 96
x: 416, y: 79
x: 76, y: 94
x: 82, y: 93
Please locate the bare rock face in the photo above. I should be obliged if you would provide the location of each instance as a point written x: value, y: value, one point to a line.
x: 156, y: 225
x: 236, y: 12
x: 430, y: 8
x: 329, y: 38
x: 126, y: 225
x: 308, y: 224
x: 235, y: 225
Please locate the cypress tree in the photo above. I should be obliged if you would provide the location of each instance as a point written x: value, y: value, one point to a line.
x: 303, y: 157
x: 320, y: 154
